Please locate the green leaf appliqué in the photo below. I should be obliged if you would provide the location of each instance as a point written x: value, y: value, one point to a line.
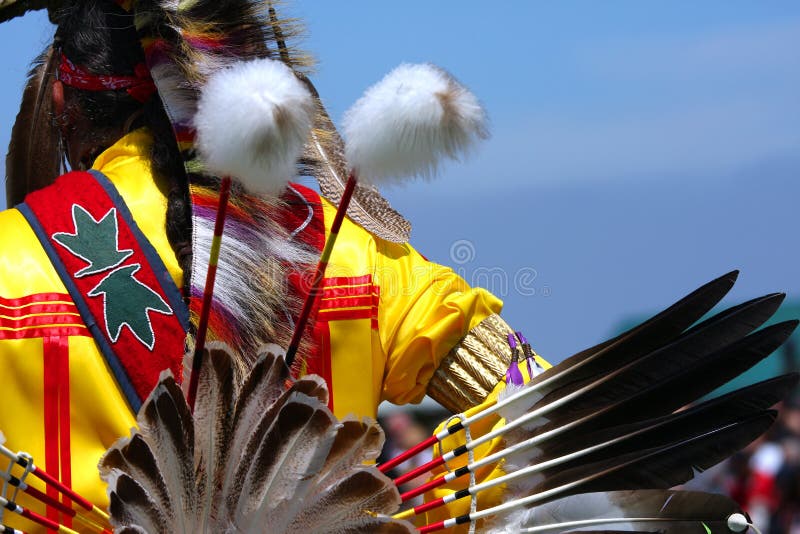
x: 94, y: 241
x: 128, y: 302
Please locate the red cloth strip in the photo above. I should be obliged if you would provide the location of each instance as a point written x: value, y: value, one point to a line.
x: 348, y: 280
x: 41, y: 320
x: 322, y: 333
x: 346, y: 302
x: 343, y: 315
x: 349, y: 291
x: 65, y: 448
x: 51, y: 416
x: 35, y: 298
x: 30, y: 333
x: 140, y: 85
x: 30, y: 309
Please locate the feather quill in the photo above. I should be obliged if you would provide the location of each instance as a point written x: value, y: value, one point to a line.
x: 614, y: 353
x: 34, y: 158
x: 672, y: 512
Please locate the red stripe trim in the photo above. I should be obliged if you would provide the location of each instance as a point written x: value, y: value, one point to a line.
x: 65, y: 446
x: 30, y: 309
x: 32, y: 299
x: 342, y: 315
x: 348, y: 280
x: 323, y: 334
x: 44, y: 332
x: 51, y: 380
x: 348, y: 302
x: 41, y: 320
x: 347, y: 291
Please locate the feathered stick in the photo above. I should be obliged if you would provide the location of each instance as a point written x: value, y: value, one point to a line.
x: 252, y: 121
x: 670, y: 512
x: 614, y: 385
x: 402, y: 127
x: 34, y: 517
x: 732, y: 408
x: 666, y: 395
x: 27, y: 463
x: 15, y: 482
x: 609, y: 355
x: 662, y: 466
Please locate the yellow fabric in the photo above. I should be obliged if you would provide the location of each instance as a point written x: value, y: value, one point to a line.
x: 423, y: 311
x: 99, y: 412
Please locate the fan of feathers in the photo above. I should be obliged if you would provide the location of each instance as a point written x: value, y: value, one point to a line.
x: 259, y: 453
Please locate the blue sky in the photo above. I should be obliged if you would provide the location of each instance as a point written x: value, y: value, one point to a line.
x: 639, y: 149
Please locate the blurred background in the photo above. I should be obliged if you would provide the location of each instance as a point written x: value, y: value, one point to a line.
x: 638, y: 150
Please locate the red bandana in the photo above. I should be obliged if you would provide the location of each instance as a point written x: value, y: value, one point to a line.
x: 140, y: 86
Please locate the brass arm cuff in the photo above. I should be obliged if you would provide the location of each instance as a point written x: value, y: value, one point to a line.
x: 473, y: 367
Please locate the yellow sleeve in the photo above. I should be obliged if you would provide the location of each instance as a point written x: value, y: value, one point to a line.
x: 425, y: 309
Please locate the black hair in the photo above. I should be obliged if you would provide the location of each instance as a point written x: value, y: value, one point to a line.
x: 101, y: 37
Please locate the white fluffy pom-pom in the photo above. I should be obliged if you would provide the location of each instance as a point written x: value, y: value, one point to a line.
x: 405, y: 123
x: 252, y: 121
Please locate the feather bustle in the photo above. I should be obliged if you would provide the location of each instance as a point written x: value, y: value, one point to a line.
x: 289, y: 463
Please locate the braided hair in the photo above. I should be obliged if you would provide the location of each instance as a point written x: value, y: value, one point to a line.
x: 101, y: 37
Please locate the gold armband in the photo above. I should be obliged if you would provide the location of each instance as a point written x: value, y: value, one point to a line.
x: 472, y: 368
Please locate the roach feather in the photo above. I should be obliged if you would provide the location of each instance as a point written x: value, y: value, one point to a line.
x: 708, y: 337
x: 667, y: 394
x: 34, y: 158
x: 636, y: 343
x: 672, y: 392
x: 678, y: 512
x: 680, y: 357
x: 661, y: 467
x: 649, y: 335
x: 659, y: 431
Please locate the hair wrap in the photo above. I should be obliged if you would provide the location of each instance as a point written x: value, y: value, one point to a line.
x: 140, y: 85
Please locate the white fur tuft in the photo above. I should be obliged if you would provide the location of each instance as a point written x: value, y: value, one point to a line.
x: 405, y: 123
x: 252, y: 122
